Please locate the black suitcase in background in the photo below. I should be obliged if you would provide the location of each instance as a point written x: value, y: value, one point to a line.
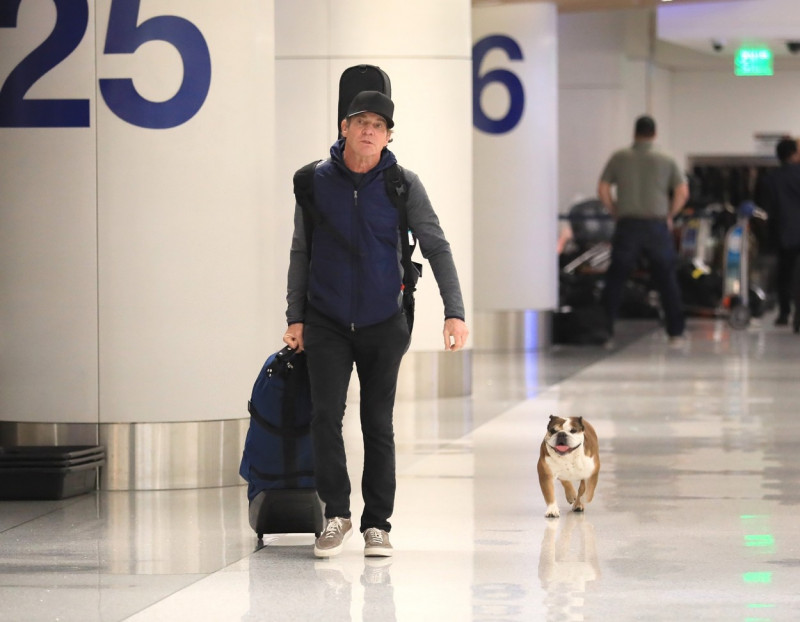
x: 580, y: 325
x: 356, y: 79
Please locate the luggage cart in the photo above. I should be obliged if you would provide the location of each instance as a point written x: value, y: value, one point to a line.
x: 736, y: 290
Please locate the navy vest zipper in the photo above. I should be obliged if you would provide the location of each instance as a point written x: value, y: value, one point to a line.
x: 354, y: 282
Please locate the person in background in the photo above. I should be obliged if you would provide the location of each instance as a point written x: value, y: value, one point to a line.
x: 651, y: 190
x: 345, y: 308
x: 782, y: 199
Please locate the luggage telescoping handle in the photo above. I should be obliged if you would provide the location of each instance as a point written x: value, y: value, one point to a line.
x: 285, y: 354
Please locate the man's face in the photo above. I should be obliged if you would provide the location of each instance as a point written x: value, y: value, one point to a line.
x: 366, y: 133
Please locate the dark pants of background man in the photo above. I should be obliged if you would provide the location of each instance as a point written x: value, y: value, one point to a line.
x: 787, y: 281
x: 331, y: 350
x: 632, y: 238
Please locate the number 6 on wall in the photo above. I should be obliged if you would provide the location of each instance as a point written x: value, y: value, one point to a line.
x: 516, y: 94
x: 125, y: 36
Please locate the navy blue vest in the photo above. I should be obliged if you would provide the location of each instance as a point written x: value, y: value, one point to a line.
x: 355, y: 275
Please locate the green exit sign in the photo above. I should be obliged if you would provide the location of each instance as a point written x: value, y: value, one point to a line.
x: 753, y: 62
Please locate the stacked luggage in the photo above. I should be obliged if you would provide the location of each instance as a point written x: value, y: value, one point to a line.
x: 580, y: 318
x: 49, y: 472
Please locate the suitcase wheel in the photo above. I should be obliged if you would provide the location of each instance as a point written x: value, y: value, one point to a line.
x: 740, y: 317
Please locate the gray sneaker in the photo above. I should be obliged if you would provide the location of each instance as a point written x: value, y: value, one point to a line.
x: 332, y: 539
x: 376, y: 543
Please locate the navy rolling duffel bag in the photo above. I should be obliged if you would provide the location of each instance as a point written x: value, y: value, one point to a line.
x: 277, y: 461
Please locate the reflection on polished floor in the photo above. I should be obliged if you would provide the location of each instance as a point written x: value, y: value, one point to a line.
x: 695, y: 517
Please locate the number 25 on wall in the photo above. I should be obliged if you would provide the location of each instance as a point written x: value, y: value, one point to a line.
x: 124, y: 36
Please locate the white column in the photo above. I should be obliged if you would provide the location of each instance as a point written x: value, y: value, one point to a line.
x: 136, y: 238
x: 424, y: 47
x: 48, y: 219
x: 516, y: 176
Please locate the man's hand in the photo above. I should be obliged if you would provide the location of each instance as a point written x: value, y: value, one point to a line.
x: 455, y: 334
x: 293, y: 337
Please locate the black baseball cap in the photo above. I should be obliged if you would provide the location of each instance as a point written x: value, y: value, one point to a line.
x: 372, y: 101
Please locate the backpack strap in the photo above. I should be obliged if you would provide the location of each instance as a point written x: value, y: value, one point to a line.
x: 397, y: 189
x: 303, y: 182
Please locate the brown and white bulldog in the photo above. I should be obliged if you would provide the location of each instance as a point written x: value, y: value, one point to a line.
x: 569, y: 453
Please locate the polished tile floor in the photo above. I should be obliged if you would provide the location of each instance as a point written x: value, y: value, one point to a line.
x: 695, y: 517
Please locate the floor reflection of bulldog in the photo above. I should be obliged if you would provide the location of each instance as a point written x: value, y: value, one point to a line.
x: 570, y: 454
x: 568, y: 562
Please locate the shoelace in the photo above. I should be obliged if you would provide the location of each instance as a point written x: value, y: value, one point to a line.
x: 334, y: 525
x: 374, y: 536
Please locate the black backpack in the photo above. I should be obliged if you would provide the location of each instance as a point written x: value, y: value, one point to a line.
x: 397, y: 189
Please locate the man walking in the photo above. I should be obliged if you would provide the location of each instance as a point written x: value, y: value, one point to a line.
x: 650, y: 190
x: 783, y: 207
x: 345, y: 308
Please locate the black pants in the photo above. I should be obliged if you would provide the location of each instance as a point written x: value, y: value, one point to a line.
x: 331, y: 350
x: 632, y: 237
x: 788, y: 279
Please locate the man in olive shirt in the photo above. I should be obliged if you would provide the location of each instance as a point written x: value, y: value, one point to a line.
x: 650, y: 190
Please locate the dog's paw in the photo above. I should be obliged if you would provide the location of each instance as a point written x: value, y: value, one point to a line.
x: 552, y: 511
x: 577, y: 507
